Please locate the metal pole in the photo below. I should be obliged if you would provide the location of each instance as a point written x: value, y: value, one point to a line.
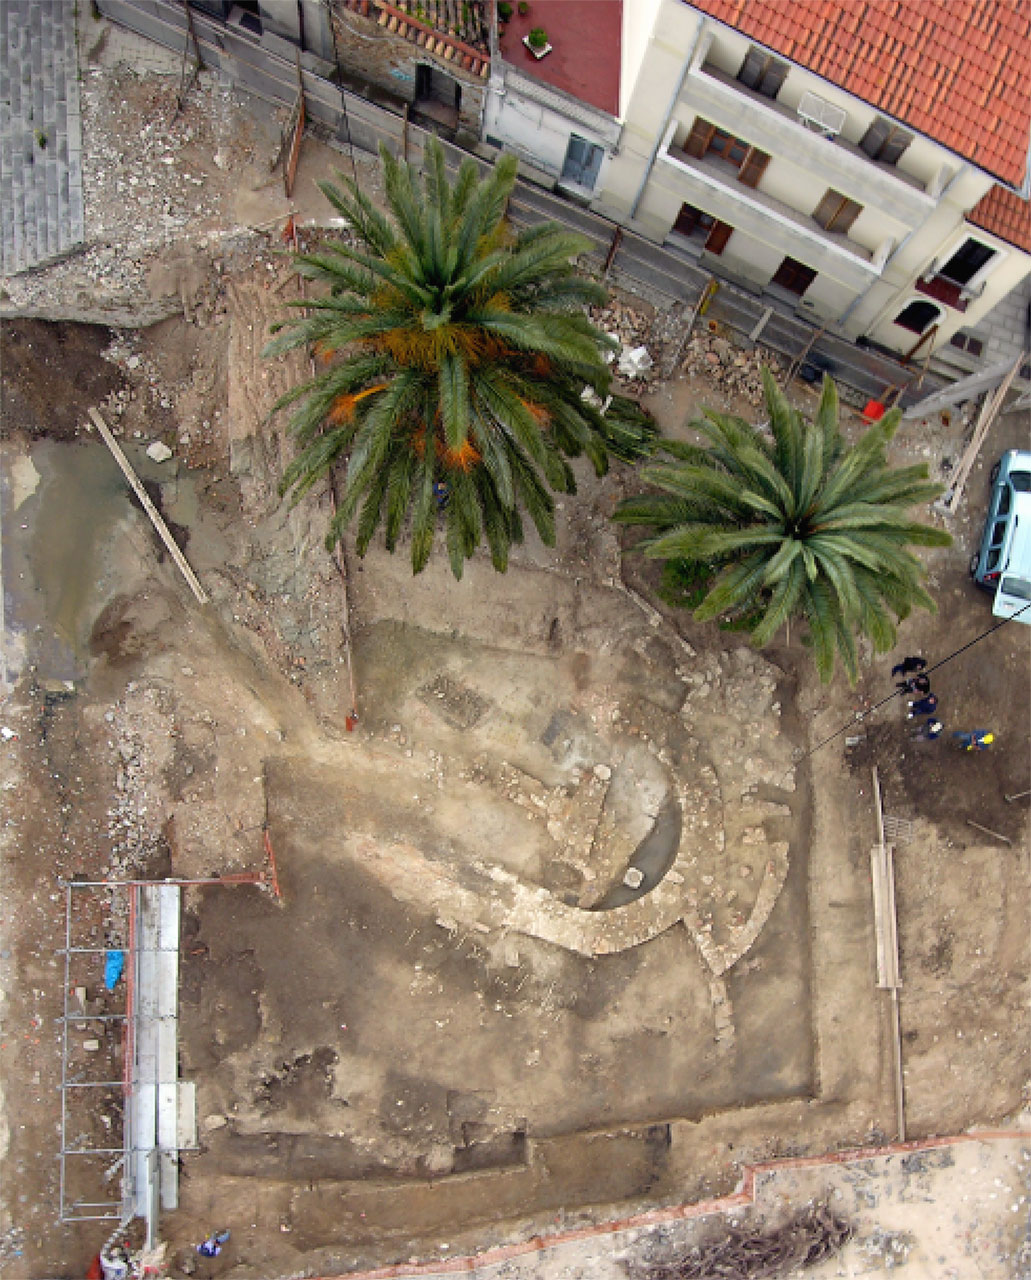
x: 64, y: 1041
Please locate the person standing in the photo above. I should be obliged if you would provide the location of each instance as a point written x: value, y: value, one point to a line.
x: 914, y: 684
x: 923, y: 707
x: 930, y: 730
x: 913, y: 663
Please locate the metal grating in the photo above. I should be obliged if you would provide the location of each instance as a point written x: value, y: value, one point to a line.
x: 897, y: 830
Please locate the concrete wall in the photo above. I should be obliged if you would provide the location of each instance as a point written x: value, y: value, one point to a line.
x: 368, y: 52
x: 639, y: 18
x: 648, y: 101
x: 536, y: 122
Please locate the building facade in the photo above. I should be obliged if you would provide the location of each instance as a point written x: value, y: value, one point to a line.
x: 880, y: 215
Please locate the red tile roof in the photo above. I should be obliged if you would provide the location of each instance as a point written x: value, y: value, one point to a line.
x: 1005, y: 215
x: 958, y: 71
x: 586, y: 39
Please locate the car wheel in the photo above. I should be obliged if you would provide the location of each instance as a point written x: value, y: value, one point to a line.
x: 973, y: 565
x: 993, y: 475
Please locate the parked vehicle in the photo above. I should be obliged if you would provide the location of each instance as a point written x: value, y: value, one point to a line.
x: 1003, y: 560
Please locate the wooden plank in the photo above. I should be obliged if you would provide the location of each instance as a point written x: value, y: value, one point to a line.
x: 992, y: 405
x: 888, y: 940
x: 880, y: 941
x: 148, y: 506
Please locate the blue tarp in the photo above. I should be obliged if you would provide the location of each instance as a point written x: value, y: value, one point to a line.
x: 114, y: 964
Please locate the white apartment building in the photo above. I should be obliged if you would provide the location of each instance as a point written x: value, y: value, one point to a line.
x: 797, y: 165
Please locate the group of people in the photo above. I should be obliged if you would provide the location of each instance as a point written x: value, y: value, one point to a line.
x: 926, y: 704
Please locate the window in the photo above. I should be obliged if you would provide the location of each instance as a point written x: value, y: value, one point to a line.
x: 972, y: 346
x: 582, y: 163
x: 967, y: 261
x: 705, y: 139
x: 917, y: 316
x: 992, y: 559
x: 885, y: 141
x: 1015, y: 587
x: 728, y: 148
x: 701, y: 225
x: 762, y: 72
x: 794, y: 276
x: 999, y: 532
x: 836, y: 212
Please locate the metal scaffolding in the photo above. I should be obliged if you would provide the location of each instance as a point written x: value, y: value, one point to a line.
x: 155, y: 1111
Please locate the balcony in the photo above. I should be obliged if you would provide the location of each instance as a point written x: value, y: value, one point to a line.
x: 777, y: 130
x: 949, y: 292
x: 712, y: 185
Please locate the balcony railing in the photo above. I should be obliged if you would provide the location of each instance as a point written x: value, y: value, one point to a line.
x: 741, y: 204
x: 942, y: 289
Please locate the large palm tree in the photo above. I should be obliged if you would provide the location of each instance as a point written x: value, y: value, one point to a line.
x: 461, y: 370
x: 785, y: 521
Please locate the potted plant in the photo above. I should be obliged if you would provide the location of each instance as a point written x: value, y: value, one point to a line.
x: 504, y: 11
x: 537, y: 42
x: 523, y: 8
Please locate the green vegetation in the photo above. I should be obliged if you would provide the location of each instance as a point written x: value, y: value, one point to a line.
x: 456, y: 359
x: 761, y: 527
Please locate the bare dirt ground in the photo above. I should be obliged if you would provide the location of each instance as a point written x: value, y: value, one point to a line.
x: 457, y: 1027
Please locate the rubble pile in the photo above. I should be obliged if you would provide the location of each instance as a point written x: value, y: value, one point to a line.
x: 143, y: 743
x: 144, y: 406
x: 152, y: 178
x: 711, y: 355
x: 709, y: 352
x: 633, y: 328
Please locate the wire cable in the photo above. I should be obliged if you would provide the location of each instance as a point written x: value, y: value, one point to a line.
x: 343, y: 91
x: 860, y: 716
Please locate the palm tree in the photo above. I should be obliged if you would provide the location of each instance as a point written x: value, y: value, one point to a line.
x: 790, y: 523
x: 460, y: 368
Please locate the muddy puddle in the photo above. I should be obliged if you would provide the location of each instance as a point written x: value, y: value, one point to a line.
x: 70, y: 543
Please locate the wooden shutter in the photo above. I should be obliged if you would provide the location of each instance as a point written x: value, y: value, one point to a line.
x: 752, y: 68
x: 885, y: 141
x: 898, y: 140
x: 794, y: 276
x: 845, y: 216
x: 762, y: 72
x: 718, y: 237
x: 875, y: 137
x: 699, y: 138
x: 753, y: 167
x: 774, y: 75
x: 836, y: 212
x: 687, y: 219
x: 828, y: 207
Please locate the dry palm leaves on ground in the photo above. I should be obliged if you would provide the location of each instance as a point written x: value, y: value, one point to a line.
x: 752, y: 1253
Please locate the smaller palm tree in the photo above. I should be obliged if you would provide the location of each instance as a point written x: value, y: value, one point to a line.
x: 460, y: 370
x: 792, y: 523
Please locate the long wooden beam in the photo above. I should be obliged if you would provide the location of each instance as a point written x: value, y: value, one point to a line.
x: 148, y: 506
